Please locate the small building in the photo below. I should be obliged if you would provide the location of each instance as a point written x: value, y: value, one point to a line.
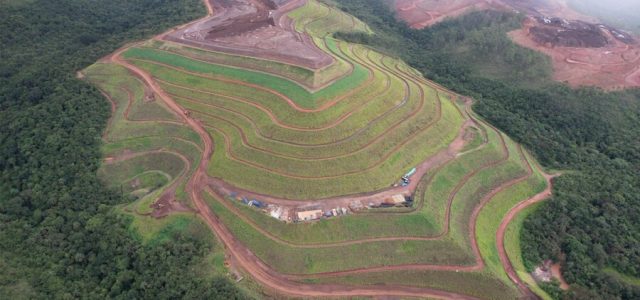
x: 309, y: 215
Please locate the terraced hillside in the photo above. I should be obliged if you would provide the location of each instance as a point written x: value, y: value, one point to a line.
x: 299, y: 170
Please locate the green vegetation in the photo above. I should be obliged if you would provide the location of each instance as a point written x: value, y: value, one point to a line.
x: 625, y: 278
x: 363, y: 141
x: 367, y: 119
x: 288, y: 88
x: 60, y: 237
x: 307, y: 260
x: 499, y: 206
x: 422, y: 222
x: 477, y: 284
x: 272, y: 135
x: 127, y: 137
x: 305, y: 77
x: 141, y: 175
x: 319, y: 19
x: 588, y: 131
x: 513, y: 245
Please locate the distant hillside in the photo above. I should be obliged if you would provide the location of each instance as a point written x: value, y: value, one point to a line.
x: 623, y: 13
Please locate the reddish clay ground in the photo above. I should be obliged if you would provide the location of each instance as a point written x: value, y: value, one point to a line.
x: 423, y: 13
x: 614, y: 66
x: 555, y: 270
x: 258, y: 28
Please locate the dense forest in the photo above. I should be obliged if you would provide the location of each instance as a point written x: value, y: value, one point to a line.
x: 60, y: 237
x: 592, y: 223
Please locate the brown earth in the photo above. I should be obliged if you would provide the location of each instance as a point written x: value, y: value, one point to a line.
x: 583, y: 51
x: 612, y: 64
x: 423, y: 13
x: 258, y: 28
x: 555, y: 270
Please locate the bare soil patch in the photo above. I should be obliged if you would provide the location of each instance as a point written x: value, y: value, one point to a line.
x: 588, y: 54
x: 584, y: 52
x: 423, y: 13
x: 555, y: 271
x: 258, y: 28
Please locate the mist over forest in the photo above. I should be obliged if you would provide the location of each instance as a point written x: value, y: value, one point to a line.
x: 623, y: 13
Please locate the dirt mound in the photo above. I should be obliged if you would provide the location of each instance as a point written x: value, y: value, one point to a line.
x: 565, y: 33
x: 258, y: 28
x: 560, y: 32
x: 256, y: 16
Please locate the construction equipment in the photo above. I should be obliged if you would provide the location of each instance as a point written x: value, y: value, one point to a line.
x: 405, y: 178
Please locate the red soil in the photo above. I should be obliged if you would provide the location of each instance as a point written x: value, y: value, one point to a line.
x: 423, y: 13
x: 614, y: 66
x: 257, y: 28
x: 555, y: 271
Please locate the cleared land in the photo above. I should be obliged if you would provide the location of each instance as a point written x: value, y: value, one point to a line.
x: 423, y: 13
x: 198, y: 130
x: 612, y: 64
x: 584, y: 51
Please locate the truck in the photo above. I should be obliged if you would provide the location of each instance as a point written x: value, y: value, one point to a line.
x: 413, y: 171
x: 405, y: 178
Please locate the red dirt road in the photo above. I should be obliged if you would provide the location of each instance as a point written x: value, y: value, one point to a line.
x: 500, y: 235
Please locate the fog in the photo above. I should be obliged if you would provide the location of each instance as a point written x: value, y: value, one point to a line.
x: 624, y: 13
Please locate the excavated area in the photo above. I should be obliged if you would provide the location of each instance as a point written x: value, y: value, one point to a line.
x: 583, y: 54
x: 583, y: 51
x: 423, y: 13
x: 257, y: 28
x: 557, y: 32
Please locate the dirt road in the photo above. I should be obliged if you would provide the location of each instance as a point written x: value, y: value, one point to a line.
x: 500, y: 235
